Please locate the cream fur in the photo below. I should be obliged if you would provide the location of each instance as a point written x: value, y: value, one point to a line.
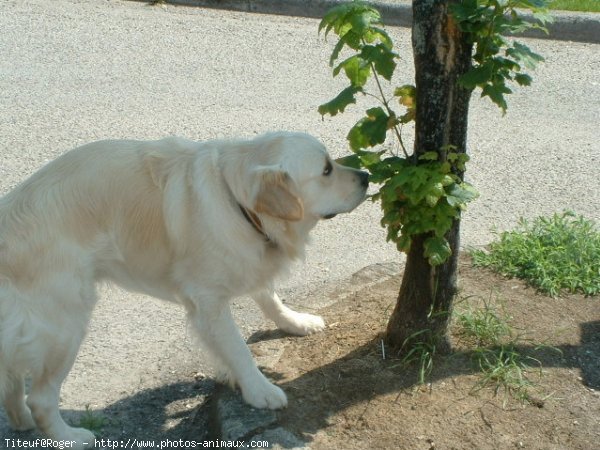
x: 161, y: 218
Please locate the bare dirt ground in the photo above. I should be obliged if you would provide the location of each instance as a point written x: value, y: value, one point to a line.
x: 343, y: 394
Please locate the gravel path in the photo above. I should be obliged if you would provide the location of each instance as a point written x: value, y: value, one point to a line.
x: 74, y: 71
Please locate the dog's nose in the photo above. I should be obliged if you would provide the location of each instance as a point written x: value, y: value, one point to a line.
x: 364, y: 179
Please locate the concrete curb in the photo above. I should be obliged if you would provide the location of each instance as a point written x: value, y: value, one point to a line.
x: 567, y: 26
x: 233, y: 420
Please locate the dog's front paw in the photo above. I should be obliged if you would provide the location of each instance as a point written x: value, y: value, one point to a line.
x: 302, y: 324
x: 265, y: 395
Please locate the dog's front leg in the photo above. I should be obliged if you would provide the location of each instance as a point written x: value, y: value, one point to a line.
x: 286, y: 318
x: 212, y: 318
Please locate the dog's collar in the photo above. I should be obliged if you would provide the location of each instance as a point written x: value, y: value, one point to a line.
x: 256, y: 223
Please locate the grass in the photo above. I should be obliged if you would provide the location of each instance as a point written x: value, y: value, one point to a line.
x: 560, y: 253
x: 494, y: 345
x: 576, y: 5
x: 505, y: 369
x: 422, y: 347
x: 496, y: 354
x: 484, y: 327
x: 93, y: 421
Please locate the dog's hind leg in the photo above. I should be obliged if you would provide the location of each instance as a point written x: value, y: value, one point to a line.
x: 43, y: 398
x: 286, y: 318
x: 63, y: 331
x: 19, y: 415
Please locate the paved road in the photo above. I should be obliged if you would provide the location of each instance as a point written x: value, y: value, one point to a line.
x: 72, y: 71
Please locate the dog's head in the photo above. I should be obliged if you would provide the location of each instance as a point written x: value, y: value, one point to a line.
x: 293, y: 178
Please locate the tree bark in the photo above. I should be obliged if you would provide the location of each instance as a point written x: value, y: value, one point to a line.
x: 441, y: 54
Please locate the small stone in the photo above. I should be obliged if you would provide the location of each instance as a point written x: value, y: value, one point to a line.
x: 237, y: 419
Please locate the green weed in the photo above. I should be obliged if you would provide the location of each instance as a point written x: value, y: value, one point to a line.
x: 502, y: 365
x: 552, y: 254
x: 505, y: 368
x: 422, y: 347
x: 495, y: 354
x: 93, y: 421
x: 485, y: 326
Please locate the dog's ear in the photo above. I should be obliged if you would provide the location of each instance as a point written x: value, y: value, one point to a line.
x: 277, y: 195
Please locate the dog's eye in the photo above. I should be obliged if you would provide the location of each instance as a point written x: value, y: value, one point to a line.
x: 328, y: 169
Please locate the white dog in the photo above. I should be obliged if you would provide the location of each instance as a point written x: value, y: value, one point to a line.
x: 193, y: 223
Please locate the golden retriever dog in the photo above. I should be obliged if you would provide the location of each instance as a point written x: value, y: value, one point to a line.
x: 196, y: 223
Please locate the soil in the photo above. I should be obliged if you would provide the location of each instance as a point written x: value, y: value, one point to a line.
x: 344, y: 394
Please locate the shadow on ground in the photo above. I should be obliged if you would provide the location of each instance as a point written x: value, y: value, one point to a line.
x: 169, y: 412
x: 330, y: 389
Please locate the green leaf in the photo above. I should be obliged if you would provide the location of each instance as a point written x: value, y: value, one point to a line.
x: 544, y: 17
x: 443, y: 218
x: 429, y: 156
x: 523, y: 54
x: 339, y: 17
x: 496, y: 93
x: 437, y: 250
x: 336, y: 51
x: 458, y: 195
x: 404, y: 242
x: 406, y: 95
x: 431, y: 200
x: 334, y: 19
x: 464, y: 11
x: 356, y: 16
x: 477, y: 76
x: 382, y: 59
x: 523, y: 79
x: 447, y: 180
x: 457, y: 160
x: 339, y: 103
x: 376, y: 33
x: 370, y: 130
x: 357, y: 70
x: 362, y: 21
x: 368, y: 159
x: 352, y: 161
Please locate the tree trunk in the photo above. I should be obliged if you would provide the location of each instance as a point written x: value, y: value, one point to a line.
x: 441, y: 54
